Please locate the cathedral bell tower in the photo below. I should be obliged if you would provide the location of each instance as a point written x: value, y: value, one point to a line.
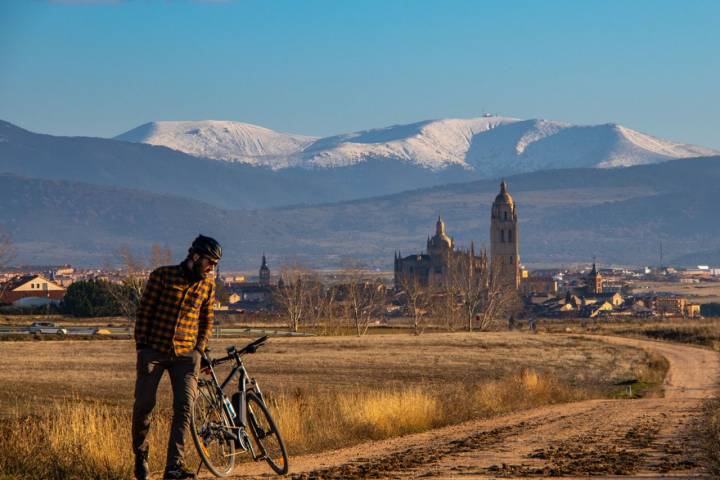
x: 505, y: 238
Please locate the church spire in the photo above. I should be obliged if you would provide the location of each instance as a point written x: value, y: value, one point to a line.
x: 264, y: 272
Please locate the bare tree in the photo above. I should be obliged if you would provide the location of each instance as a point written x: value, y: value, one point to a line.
x: 322, y: 301
x: 292, y: 294
x: 364, y: 297
x: 129, y: 292
x: 483, y: 294
x: 501, y: 299
x: 466, y: 282
x: 7, y: 253
x: 130, y: 262
x: 160, y: 255
x: 416, y: 299
x: 447, y: 306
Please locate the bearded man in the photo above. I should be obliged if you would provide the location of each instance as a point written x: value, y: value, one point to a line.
x: 174, y: 321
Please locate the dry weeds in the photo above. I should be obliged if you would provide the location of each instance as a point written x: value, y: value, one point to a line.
x: 77, y: 439
x: 67, y: 410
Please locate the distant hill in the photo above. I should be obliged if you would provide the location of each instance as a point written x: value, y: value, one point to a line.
x: 488, y: 146
x: 369, y: 164
x: 162, y: 170
x: 618, y: 215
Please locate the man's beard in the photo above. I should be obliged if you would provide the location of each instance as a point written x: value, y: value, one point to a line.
x: 196, y: 272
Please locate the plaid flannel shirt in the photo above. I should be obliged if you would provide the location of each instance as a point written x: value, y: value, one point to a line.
x: 175, y: 315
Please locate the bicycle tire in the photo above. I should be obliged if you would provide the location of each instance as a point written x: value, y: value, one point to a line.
x: 208, y: 427
x: 266, y: 434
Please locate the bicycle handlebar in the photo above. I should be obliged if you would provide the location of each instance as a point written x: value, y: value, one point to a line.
x: 249, y: 348
x: 253, y: 346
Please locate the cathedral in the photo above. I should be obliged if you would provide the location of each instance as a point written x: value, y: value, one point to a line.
x: 431, y: 267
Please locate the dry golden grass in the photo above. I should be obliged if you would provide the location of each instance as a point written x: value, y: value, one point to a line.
x: 313, y: 424
x: 67, y: 408
x: 73, y: 439
x: 81, y: 440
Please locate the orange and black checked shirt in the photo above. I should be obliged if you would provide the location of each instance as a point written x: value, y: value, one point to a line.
x: 175, y: 315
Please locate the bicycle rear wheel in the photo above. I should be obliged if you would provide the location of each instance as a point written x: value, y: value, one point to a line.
x: 266, y: 434
x: 211, y: 432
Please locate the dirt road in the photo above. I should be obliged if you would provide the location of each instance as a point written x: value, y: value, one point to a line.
x: 649, y: 438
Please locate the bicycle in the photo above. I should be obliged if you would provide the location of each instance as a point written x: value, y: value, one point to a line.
x: 219, y: 425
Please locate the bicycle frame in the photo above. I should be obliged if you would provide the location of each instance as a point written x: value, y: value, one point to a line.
x: 245, y: 383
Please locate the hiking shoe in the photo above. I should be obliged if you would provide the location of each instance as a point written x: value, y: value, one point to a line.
x: 179, y: 473
x: 142, y: 469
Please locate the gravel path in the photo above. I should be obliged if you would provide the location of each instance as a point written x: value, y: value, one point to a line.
x: 647, y: 438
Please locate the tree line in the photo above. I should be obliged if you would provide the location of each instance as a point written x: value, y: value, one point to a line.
x: 101, y: 298
x: 469, y: 297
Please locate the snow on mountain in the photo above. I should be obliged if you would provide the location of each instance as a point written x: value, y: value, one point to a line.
x: 222, y: 140
x: 489, y: 145
x: 434, y: 144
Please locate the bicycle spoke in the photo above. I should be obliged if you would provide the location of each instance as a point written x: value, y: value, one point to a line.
x: 209, y: 431
x: 267, y: 437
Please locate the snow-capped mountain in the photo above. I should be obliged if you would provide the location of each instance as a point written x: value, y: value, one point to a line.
x: 221, y: 140
x: 488, y: 145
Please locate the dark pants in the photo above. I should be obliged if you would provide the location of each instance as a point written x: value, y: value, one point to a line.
x: 183, y: 371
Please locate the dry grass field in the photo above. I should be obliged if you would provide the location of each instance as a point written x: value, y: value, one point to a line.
x: 67, y: 404
x: 704, y: 292
x: 704, y: 332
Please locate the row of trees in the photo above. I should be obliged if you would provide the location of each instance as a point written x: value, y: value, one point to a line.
x: 100, y: 298
x: 91, y: 298
x: 304, y: 300
x: 97, y: 297
x: 469, y: 298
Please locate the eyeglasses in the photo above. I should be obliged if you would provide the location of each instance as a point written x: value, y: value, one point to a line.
x: 209, y: 260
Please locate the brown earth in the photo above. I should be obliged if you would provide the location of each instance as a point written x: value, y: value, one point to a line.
x: 649, y: 438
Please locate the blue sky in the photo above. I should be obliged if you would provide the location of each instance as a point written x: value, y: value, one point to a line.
x: 83, y: 67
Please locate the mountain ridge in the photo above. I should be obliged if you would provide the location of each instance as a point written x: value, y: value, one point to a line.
x: 227, y: 185
x: 489, y: 145
x: 566, y: 216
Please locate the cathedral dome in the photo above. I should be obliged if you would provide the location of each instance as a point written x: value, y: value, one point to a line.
x: 504, y: 196
x: 440, y: 239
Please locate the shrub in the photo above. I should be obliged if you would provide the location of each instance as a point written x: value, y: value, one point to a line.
x: 91, y: 298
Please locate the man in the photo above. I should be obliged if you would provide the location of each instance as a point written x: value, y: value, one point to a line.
x: 174, y: 321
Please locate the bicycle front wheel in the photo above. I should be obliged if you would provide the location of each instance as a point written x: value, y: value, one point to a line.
x: 211, y: 432
x: 266, y: 434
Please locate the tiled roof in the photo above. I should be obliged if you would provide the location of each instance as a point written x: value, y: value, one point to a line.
x: 14, y: 283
